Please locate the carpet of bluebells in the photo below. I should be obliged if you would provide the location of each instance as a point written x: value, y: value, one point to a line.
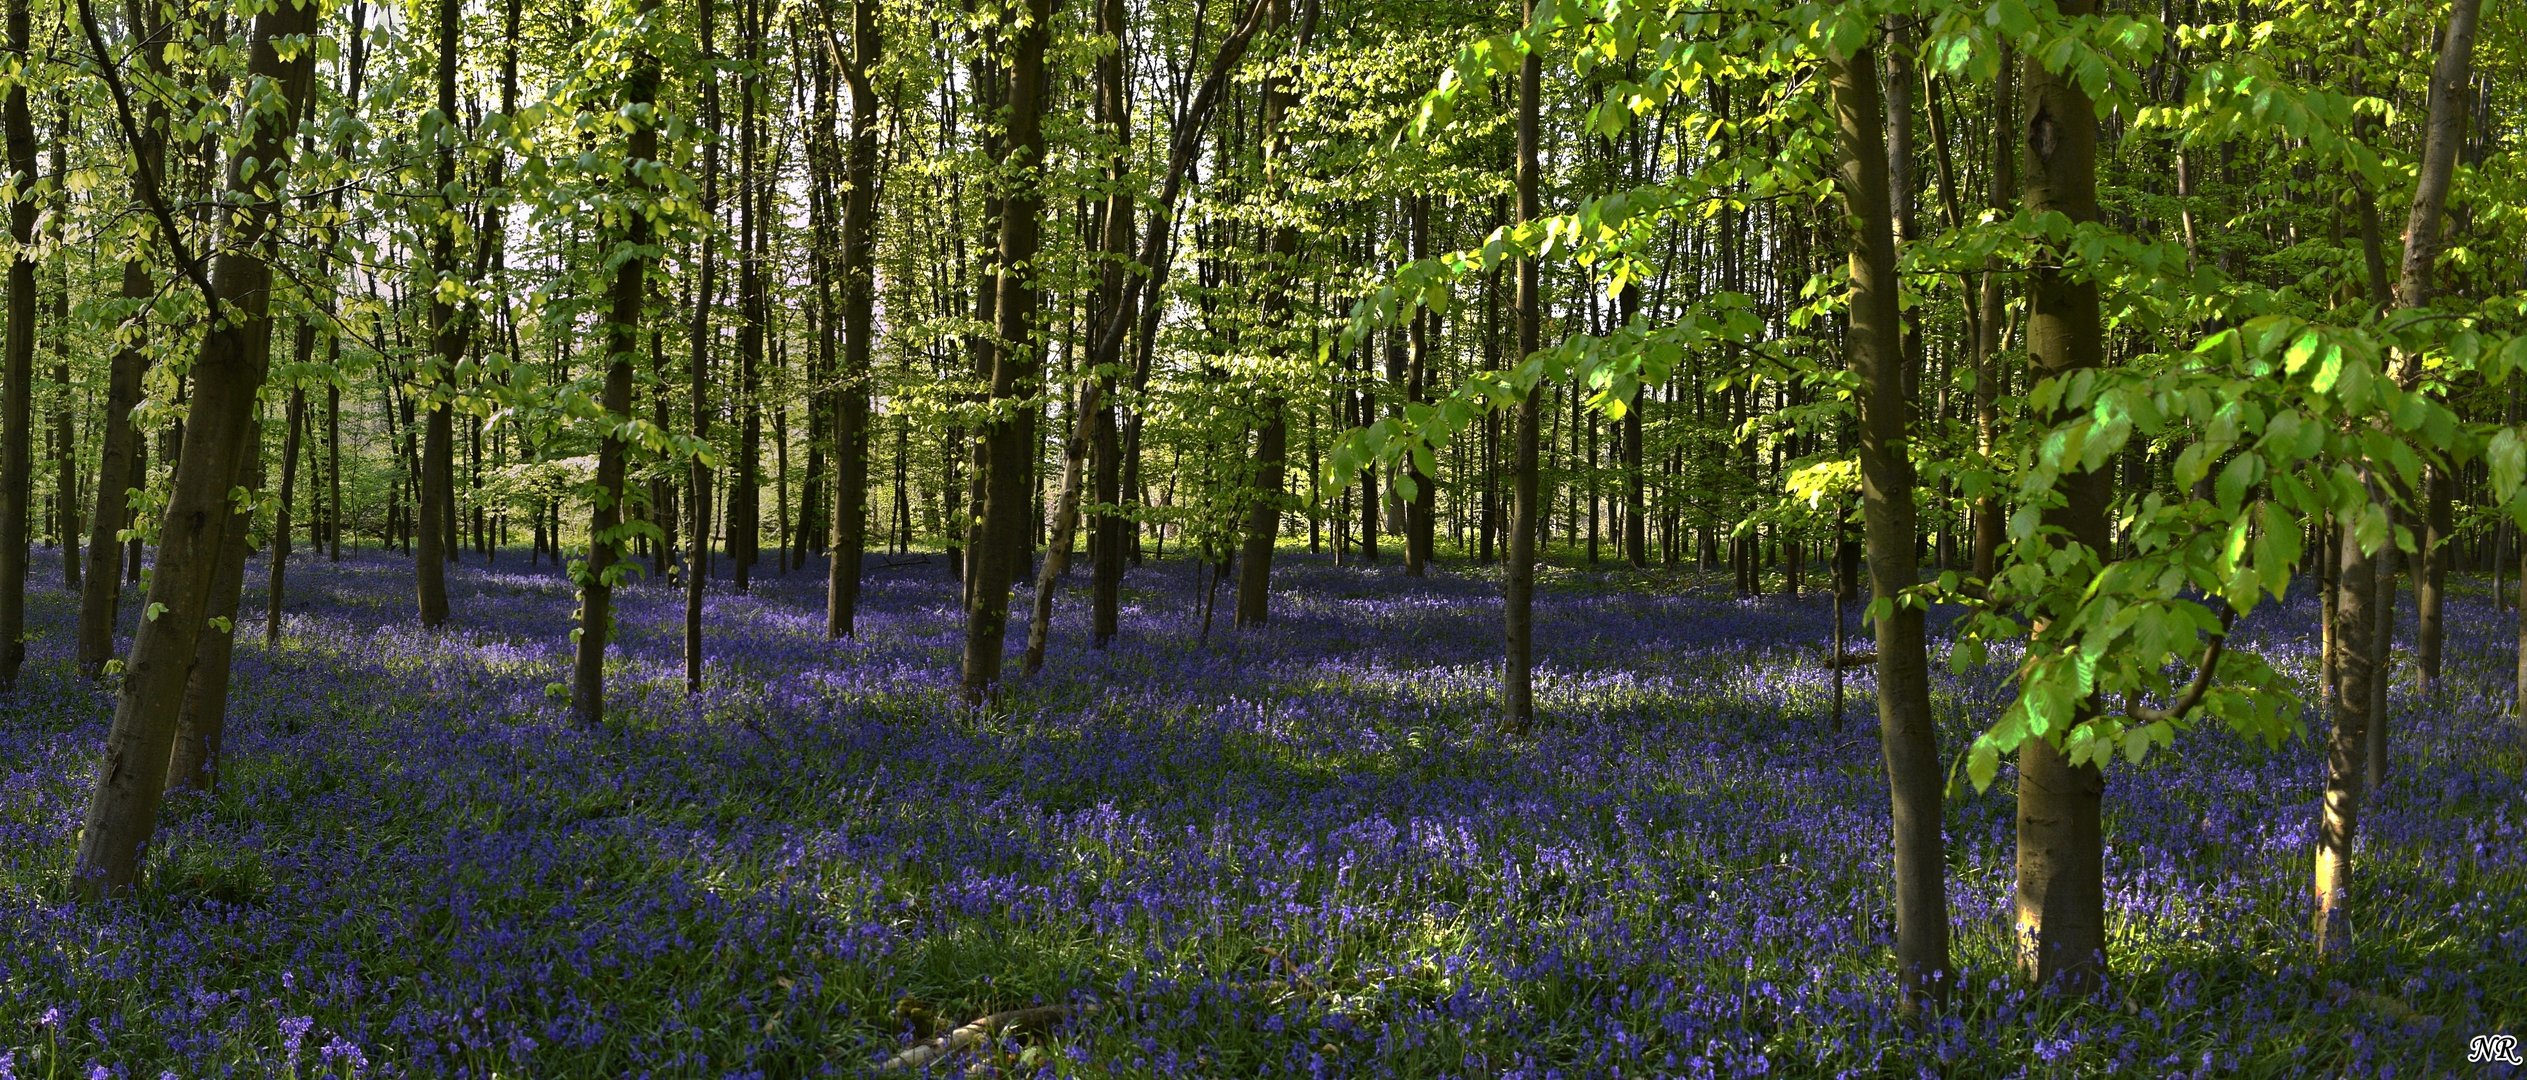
x: 1301, y: 852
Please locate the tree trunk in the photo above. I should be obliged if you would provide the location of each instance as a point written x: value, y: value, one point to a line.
x: 333, y: 469
x: 1420, y: 526
x: 745, y: 491
x: 1272, y: 432
x: 2381, y: 662
x: 2430, y: 579
x: 1108, y: 521
x: 859, y: 327
x: 1008, y: 513
x: 2518, y: 704
x: 622, y: 339
x: 1065, y: 524
x: 65, y: 432
x: 2347, y: 747
x: 1875, y: 349
x: 17, y: 366
x: 447, y: 338
x: 274, y: 583
x: 1992, y: 305
x: 2061, y: 899
x: 1263, y: 514
x: 219, y: 424
x: 1518, y: 581
x: 2355, y: 705
x: 202, y: 721
x: 118, y: 476
x: 697, y: 551
x: 1636, y: 537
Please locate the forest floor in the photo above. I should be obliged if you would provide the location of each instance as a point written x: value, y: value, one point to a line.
x: 1301, y: 852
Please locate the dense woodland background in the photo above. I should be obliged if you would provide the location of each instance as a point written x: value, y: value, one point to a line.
x: 2098, y: 326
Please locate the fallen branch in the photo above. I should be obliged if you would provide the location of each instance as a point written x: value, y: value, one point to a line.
x: 976, y: 1033
x: 1850, y: 660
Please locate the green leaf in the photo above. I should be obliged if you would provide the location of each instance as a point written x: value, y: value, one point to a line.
x: 1982, y: 763
x: 2136, y: 742
x: 2506, y: 457
x: 2241, y: 472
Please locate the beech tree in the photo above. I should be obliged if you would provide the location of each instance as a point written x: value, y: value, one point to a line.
x: 227, y: 373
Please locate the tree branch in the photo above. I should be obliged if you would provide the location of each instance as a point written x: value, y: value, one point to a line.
x: 2143, y: 714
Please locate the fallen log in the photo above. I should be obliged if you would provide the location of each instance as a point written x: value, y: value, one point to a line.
x: 981, y: 1030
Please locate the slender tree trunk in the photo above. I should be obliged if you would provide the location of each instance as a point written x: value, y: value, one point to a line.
x: 2381, y: 643
x: 1065, y: 523
x: 1991, y: 306
x: 118, y: 477
x: 333, y: 469
x: 622, y: 340
x: 859, y: 326
x: 2430, y: 579
x: 2347, y: 747
x: 1518, y: 589
x: 2354, y: 706
x: 1263, y: 513
x: 2518, y: 704
x: 1636, y: 537
x: 17, y: 364
x: 1272, y: 432
x: 274, y: 583
x: 1008, y: 513
x: 745, y: 493
x: 1420, y: 525
x: 227, y: 373
x: 697, y: 552
x: 437, y: 511
x: 1108, y: 520
x: 1875, y: 350
x: 65, y: 433
x: 2061, y: 899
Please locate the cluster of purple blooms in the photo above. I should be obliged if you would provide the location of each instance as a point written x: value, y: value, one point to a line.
x: 1304, y: 851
